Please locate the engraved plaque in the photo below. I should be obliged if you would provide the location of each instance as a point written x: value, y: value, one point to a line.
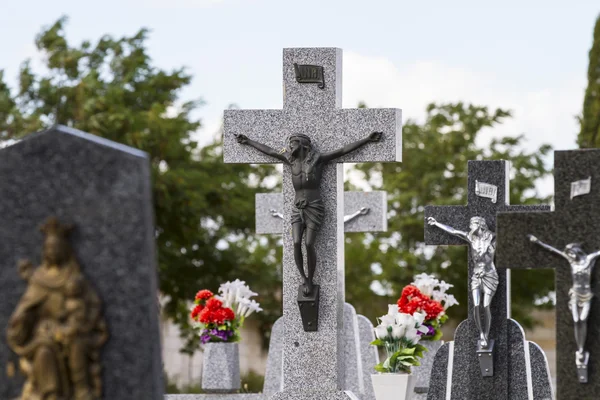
x: 310, y: 74
x: 579, y: 188
x: 486, y: 190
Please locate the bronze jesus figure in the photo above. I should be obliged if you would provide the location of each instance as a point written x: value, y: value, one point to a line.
x: 307, y: 169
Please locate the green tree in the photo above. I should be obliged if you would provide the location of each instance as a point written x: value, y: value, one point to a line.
x: 204, y: 209
x: 589, y: 136
x: 434, y: 172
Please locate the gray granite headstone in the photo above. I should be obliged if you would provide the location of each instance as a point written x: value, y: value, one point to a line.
x: 374, y: 221
x: 462, y: 365
x: 368, y: 353
x: 313, y: 361
x: 575, y: 220
x: 104, y: 189
x: 423, y: 371
x: 274, y: 371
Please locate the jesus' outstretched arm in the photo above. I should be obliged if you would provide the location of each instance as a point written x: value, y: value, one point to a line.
x: 546, y: 246
x: 263, y: 148
x: 332, y: 155
x: 449, y: 229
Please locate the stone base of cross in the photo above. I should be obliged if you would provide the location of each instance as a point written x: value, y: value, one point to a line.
x: 359, y: 356
x: 313, y: 361
x: 461, y: 370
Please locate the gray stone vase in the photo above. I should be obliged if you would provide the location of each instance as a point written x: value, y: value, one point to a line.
x: 221, y: 368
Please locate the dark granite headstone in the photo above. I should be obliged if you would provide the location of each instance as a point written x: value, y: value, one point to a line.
x: 576, y: 220
x: 104, y: 189
x: 466, y: 380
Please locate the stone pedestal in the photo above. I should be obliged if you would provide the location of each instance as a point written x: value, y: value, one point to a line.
x: 221, y: 368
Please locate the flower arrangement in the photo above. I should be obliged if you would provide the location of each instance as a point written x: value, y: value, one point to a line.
x: 428, y: 295
x: 399, y: 334
x: 214, y: 316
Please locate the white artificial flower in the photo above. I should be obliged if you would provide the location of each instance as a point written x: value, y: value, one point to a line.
x: 398, y: 331
x: 393, y: 309
x: 438, y: 296
x: 423, y: 329
x: 388, y: 320
x: 425, y: 283
x: 449, y: 301
x: 251, y: 307
x: 444, y: 286
x: 412, y: 334
x: 405, y: 320
x: 381, y: 332
x: 419, y: 317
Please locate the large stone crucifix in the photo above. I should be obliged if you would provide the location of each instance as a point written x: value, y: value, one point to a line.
x: 568, y: 240
x: 318, y: 136
x: 481, y: 362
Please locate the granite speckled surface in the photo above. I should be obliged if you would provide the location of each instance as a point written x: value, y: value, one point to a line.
x: 369, y: 355
x: 467, y: 381
x: 274, y: 370
x: 353, y: 373
x: 423, y: 372
x: 313, y: 361
x: 540, y: 373
x: 104, y: 189
x: 315, y: 112
x: 573, y: 221
x: 440, y: 371
x: 374, y: 221
x: 221, y: 368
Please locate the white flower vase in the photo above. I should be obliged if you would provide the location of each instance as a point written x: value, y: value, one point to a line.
x: 221, y: 368
x: 388, y: 386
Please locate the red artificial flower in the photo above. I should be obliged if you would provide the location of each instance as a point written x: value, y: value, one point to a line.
x: 204, y: 295
x: 228, y: 314
x: 433, y: 309
x: 206, y: 316
x: 412, y: 300
x: 214, y: 304
x: 196, y: 310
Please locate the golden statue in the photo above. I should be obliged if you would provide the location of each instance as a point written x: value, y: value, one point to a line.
x: 57, y: 329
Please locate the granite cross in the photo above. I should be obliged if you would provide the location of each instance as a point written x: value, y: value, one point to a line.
x: 360, y: 357
x: 576, y: 219
x: 313, y: 361
x: 466, y: 372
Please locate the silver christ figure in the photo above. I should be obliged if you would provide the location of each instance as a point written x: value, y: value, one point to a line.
x: 580, y: 294
x: 484, y: 281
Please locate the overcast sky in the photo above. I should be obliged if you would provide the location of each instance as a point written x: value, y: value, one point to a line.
x: 528, y: 56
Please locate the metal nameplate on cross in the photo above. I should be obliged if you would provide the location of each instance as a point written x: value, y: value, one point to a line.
x: 567, y: 240
x: 318, y: 136
x: 482, y: 344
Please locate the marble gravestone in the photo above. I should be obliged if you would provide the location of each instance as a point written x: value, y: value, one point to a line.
x: 576, y: 219
x: 359, y: 356
x: 104, y: 190
x: 313, y: 361
x: 456, y: 372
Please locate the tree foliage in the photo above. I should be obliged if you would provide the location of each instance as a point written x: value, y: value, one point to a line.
x: 434, y: 172
x: 589, y: 135
x: 204, y: 209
